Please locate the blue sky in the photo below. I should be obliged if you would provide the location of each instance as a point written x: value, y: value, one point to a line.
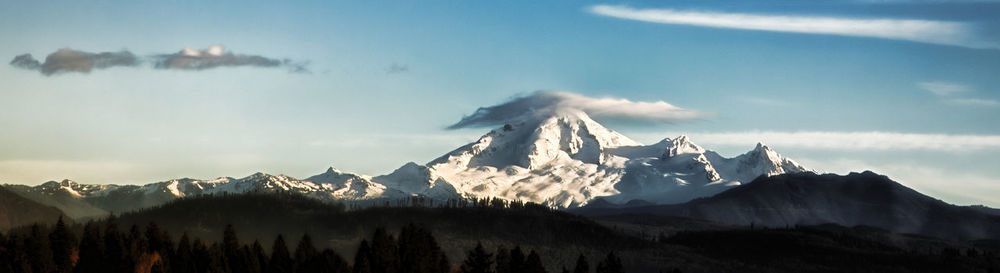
x: 906, y: 88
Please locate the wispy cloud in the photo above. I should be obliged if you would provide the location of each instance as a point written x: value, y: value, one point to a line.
x: 850, y: 141
x: 974, y: 102
x: 924, y: 31
x: 550, y: 102
x: 943, y: 88
x: 947, y: 92
x: 924, y: 1
x: 760, y: 100
x: 397, y: 69
x: 71, y: 60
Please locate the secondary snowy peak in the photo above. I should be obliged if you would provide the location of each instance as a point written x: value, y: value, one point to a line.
x: 532, y: 143
x: 336, y: 177
x: 682, y: 145
x: 412, y: 179
x: 346, y: 185
x: 748, y: 166
x: 764, y: 161
x: 73, y: 188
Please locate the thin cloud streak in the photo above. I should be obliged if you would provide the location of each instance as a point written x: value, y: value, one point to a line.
x: 852, y: 141
x: 943, y: 88
x: 924, y: 31
x: 946, y: 91
x: 975, y: 102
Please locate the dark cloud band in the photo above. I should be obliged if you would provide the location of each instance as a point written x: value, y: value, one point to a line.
x: 216, y: 56
x: 70, y: 60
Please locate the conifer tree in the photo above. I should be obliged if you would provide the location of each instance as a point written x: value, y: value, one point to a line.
x: 258, y: 250
x: 183, y: 259
x: 329, y: 261
x: 503, y: 260
x: 91, y: 251
x: 217, y: 260
x: 305, y: 255
x: 478, y: 260
x: 62, y: 242
x: 250, y: 259
x: 516, y: 260
x: 581, y: 265
x: 38, y: 250
x: 5, y: 253
x: 115, y: 249
x: 20, y: 261
x: 611, y: 264
x: 136, y: 245
x: 533, y: 264
x: 233, y: 257
x: 362, y: 259
x: 384, y: 252
x: 419, y: 251
x: 201, y: 256
x: 158, y: 240
x: 281, y: 261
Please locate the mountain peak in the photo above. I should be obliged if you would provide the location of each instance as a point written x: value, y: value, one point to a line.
x: 68, y: 183
x: 761, y: 147
x: 534, y: 142
x: 762, y: 160
x: 682, y: 145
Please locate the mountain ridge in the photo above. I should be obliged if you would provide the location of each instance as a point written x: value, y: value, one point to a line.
x: 562, y: 161
x: 856, y: 199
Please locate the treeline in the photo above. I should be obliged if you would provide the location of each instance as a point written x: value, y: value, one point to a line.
x: 478, y: 260
x: 491, y: 220
x: 835, y: 248
x: 487, y: 202
x: 105, y: 248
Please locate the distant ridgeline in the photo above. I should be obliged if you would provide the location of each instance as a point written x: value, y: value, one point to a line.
x: 563, y: 161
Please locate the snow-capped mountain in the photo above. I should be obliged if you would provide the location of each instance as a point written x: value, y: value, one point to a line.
x: 82, y: 200
x: 566, y: 160
x: 341, y: 185
x: 562, y: 160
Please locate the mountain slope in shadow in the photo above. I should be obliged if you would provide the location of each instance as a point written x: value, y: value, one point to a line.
x: 18, y: 211
x: 866, y: 199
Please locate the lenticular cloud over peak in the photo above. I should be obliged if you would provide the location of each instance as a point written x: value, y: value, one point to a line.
x: 548, y: 103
